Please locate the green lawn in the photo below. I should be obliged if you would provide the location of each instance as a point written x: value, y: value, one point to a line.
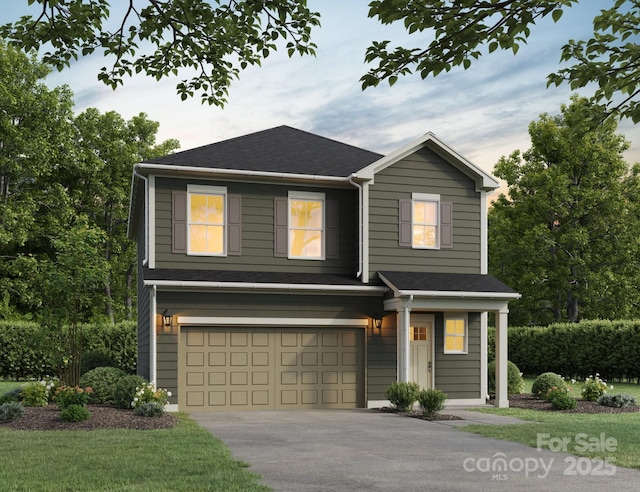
x: 584, y: 434
x: 8, y: 386
x: 184, y: 458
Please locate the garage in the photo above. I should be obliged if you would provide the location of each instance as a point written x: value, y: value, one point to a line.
x: 247, y: 368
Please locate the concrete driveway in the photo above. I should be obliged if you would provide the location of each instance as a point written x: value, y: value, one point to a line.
x: 367, y: 450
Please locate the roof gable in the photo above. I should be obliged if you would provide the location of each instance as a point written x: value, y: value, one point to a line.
x: 484, y: 181
x: 277, y: 150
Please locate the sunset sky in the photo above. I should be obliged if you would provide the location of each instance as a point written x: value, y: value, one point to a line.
x: 482, y: 112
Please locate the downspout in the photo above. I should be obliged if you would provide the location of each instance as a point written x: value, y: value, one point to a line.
x: 145, y: 260
x: 360, y: 225
x: 405, y: 338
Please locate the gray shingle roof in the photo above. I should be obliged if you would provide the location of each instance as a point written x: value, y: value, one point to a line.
x: 279, y: 150
x: 446, y: 282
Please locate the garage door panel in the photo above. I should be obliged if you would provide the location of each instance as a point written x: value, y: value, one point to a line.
x: 258, y: 368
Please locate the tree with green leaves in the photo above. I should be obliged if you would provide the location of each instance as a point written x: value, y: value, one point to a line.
x: 36, y: 140
x: 466, y: 30
x: 219, y: 39
x: 215, y: 40
x: 565, y: 237
x: 54, y: 168
x: 107, y: 148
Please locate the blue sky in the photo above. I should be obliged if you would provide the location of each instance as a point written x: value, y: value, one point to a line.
x: 482, y: 112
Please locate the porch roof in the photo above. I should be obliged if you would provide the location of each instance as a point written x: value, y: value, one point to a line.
x: 447, y: 285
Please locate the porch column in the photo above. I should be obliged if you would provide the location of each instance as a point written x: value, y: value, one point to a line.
x: 502, y: 398
x: 404, y: 320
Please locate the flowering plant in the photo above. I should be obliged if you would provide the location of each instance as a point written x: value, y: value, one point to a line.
x: 594, y: 388
x: 70, y: 395
x: 149, y: 393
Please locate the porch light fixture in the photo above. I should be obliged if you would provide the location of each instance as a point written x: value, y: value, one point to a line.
x: 377, y: 321
x: 167, y: 319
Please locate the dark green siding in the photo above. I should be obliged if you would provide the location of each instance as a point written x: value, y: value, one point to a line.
x: 258, y: 230
x: 143, y: 306
x: 382, y: 359
x: 458, y: 375
x: 423, y: 172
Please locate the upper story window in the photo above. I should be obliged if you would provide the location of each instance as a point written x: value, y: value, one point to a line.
x: 206, y: 220
x: 306, y: 225
x: 455, y: 334
x: 425, y: 222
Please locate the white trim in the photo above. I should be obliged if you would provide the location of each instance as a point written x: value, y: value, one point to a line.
x: 231, y: 173
x: 193, y: 189
x: 152, y: 222
x: 456, y: 317
x: 484, y: 181
x: 171, y: 407
x: 484, y: 232
x: 464, y: 402
x: 206, y: 189
x: 153, y: 341
x: 446, y: 294
x: 267, y: 286
x: 365, y: 233
x: 483, y: 353
x: 378, y: 403
x: 254, y: 321
x: 306, y: 196
x: 425, y: 198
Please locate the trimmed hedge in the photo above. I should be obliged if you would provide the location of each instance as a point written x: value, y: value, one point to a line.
x: 28, y: 350
x: 576, y: 350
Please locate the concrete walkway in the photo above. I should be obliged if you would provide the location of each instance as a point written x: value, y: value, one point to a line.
x: 368, y: 450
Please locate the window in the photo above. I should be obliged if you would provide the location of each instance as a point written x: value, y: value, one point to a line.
x: 306, y: 225
x: 418, y: 333
x: 425, y: 221
x: 455, y: 334
x: 206, y: 220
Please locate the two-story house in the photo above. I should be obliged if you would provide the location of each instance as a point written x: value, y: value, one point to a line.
x: 282, y: 269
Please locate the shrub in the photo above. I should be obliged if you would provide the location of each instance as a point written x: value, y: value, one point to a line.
x: 34, y: 394
x: 102, y: 381
x: 12, y: 395
x: 11, y: 410
x: 402, y: 395
x: 560, y: 400
x: 150, y: 409
x: 75, y: 413
x: 515, y: 383
x: 619, y: 400
x: 431, y: 401
x: 95, y: 358
x: 545, y: 382
x: 147, y: 393
x: 594, y: 388
x: 51, y: 384
x: 125, y: 390
x: 68, y: 395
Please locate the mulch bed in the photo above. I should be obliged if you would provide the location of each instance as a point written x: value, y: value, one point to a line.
x: 528, y: 401
x: 102, y: 417
x: 418, y: 415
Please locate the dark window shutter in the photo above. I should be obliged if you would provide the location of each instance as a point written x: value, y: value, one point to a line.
x: 405, y: 233
x: 446, y: 225
x: 331, y: 228
x: 234, y: 225
x: 280, y: 227
x: 179, y: 222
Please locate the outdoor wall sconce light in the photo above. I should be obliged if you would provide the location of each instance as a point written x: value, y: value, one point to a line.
x: 167, y: 319
x: 376, y: 320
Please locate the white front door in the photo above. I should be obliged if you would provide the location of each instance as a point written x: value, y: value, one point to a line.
x: 420, y: 357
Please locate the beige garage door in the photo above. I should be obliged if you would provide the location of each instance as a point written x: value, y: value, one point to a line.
x: 271, y: 368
